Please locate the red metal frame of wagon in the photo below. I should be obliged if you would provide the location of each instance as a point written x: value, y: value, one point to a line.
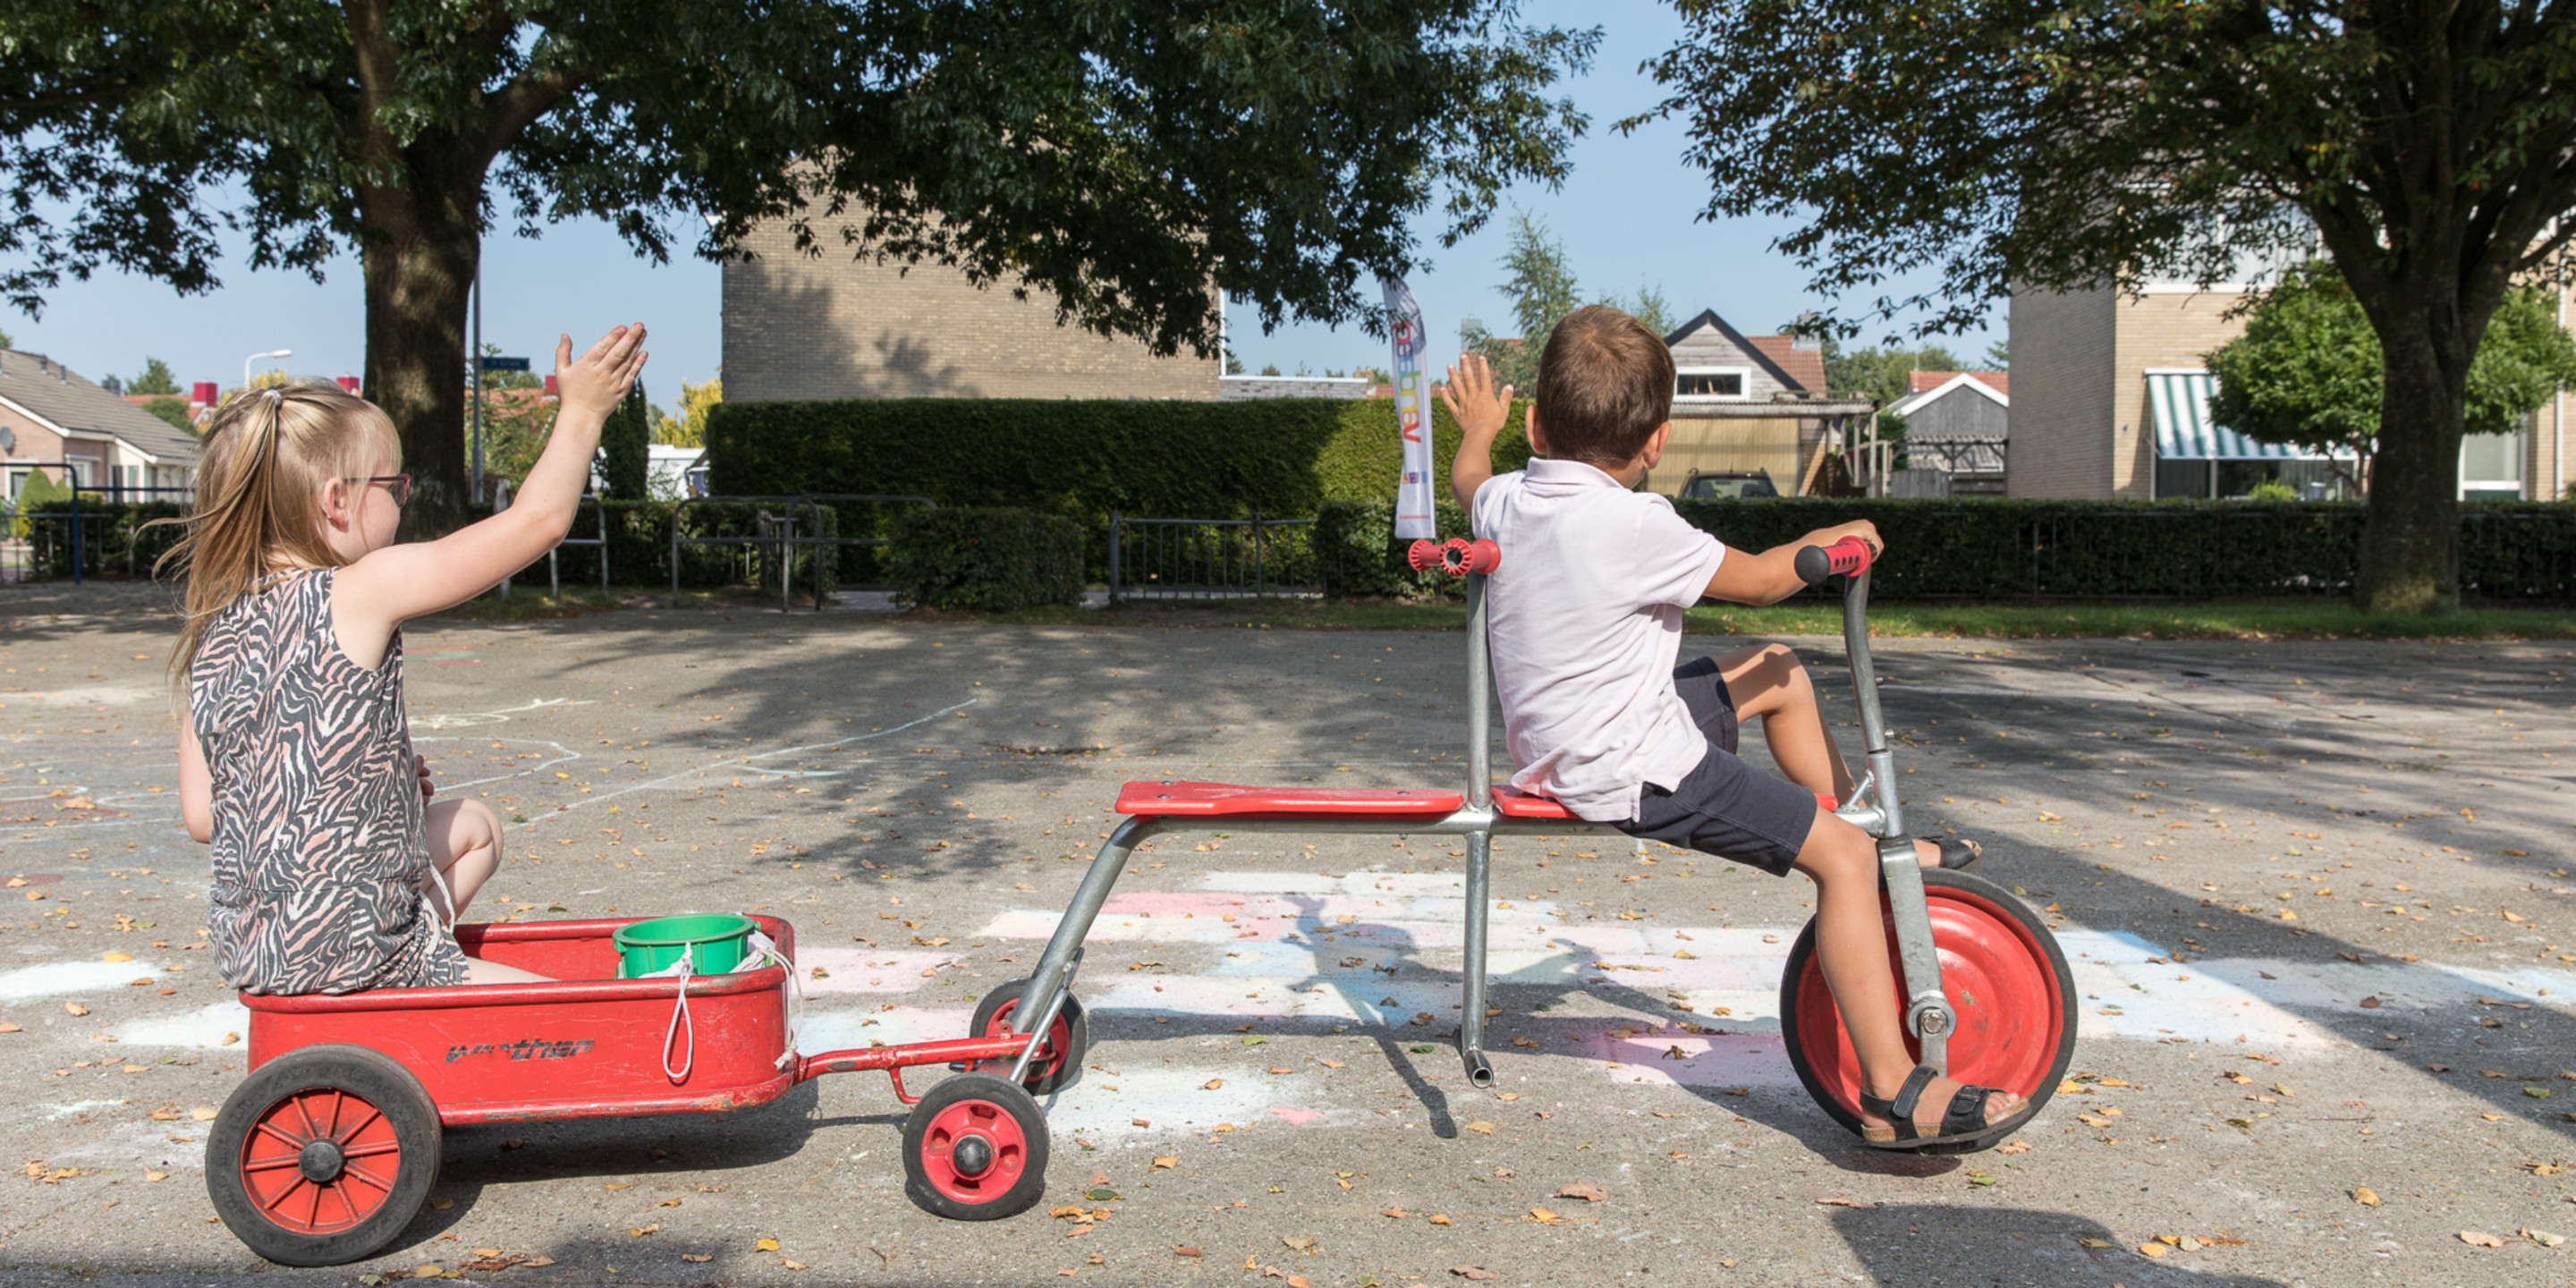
x: 330, y: 1145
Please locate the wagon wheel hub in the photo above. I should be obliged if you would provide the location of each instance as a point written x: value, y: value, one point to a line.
x: 321, y: 1161
x: 972, y: 1155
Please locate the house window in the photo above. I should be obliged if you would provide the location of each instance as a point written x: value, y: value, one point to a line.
x: 2491, y: 467
x: 1712, y: 384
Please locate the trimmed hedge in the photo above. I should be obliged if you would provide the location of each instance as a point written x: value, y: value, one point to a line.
x: 1079, y: 458
x: 986, y: 558
x: 2166, y: 549
x: 114, y: 542
x: 1356, y: 547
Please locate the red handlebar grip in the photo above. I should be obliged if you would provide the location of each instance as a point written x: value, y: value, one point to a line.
x: 1849, y: 556
x: 1456, y: 556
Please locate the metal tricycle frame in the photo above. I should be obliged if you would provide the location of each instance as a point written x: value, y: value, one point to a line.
x: 1484, y: 810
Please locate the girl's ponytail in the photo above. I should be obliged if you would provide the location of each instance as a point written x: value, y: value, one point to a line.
x: 265, y: 459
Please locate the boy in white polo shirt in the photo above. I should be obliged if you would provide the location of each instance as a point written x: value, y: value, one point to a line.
x: 1585, y: 619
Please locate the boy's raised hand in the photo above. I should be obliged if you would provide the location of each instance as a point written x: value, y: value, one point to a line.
x: 599, y: 379
x: 1478, y: 407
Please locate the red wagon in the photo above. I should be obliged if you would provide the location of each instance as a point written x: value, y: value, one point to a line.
x: 329, y: 1147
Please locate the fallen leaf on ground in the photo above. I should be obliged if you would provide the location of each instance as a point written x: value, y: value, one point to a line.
x: 695, y: 1257
x: 2480, y: 1239
x: 1299, y: 1281
x: 203, y: 1113
x: 75, y: 1008
x: 640, y: 1231
x: 2152, y: 1249
x: 1849, y: 1203
x: 156, y: 1176
x: 1187, y: 1252
x: 765, y: 1245
x: 1481, y: 1127
x: 1395, y: 1212
x: 1473, y: 1272
x: 1212, y: 1084
x: 1173, y: 1161
x: 7, y: 1027
x: 1587, y: 1193
x: 1439, y: 1219
x: 2365, y: 1196
x: 792, y: 1265
x: 1302, y: 1242
x: 2016, y: 1147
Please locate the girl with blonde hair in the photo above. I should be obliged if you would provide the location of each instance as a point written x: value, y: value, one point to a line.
x: 333, y: 870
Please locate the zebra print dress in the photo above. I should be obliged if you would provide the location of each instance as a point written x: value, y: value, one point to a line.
x: 322, y: 878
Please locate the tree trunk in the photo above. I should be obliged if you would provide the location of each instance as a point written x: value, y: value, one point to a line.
x: 419, y: 257
x: 2410, y: 544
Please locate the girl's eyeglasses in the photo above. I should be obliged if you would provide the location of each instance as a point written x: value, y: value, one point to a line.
x: 397, y: 486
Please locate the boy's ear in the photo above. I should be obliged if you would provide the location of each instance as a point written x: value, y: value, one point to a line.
x: 1654, y: 453
x: 1530, y: 430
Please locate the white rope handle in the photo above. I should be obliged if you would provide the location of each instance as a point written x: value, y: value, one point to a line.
x: 764, y: 951
x: 684, y: 967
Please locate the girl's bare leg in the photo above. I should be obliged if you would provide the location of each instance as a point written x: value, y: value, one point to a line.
x: 1851, y: 946
x: 465, y: 847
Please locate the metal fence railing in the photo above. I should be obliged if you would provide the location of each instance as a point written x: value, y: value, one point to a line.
x: 777, y: 532
x: 1212, y: 558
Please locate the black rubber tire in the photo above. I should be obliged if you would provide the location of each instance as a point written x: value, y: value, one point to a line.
x: 1066, y: 1071
x: 1982, y: 891
x: 994, y: 1099
x: 351, y: 1071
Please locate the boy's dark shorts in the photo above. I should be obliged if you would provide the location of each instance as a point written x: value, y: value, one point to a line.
x: 1724, y: 807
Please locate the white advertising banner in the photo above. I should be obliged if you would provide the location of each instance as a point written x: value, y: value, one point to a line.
x: 1413, y: 491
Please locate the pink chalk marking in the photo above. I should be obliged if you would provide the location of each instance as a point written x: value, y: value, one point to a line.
x: 1298, y: 1117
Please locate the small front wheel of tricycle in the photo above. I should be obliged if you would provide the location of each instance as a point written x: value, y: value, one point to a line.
x: 975, y: 1149
x: 1067, y: 1038
x: 322, y: 1156
x: 2007, y: 983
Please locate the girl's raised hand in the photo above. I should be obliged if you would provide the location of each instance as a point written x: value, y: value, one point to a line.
x: 599, y: 379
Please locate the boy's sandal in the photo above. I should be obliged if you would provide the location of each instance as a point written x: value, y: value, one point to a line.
x: 1956, y: 851
x: 1965, y: 1119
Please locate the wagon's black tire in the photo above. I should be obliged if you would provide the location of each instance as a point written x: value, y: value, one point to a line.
x: 2008, y: 984
x: 322, y: 1156
x: 975, y: 1149
x: 1069, y: 1037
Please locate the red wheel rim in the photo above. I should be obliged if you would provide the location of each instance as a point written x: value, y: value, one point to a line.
x: 1059, y: 1039
x: 320, y: 1161
x: 997, y: 1128
x: 1996, y: 973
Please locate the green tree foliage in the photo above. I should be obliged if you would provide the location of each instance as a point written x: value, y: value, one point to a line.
x: 2307, y: 371
x: 1541, y: 287
x: 1122, y: 156
x: 624, y: 447
x: 689, y: 428
x: 173, y: 410
x: 155, y: 379
x: 2022, y: 146
x: 1647, y: 306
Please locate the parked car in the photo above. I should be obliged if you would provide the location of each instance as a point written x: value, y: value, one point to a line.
x: 1723, y: 485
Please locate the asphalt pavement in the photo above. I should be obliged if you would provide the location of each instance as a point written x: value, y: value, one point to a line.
x: 2317, y: 897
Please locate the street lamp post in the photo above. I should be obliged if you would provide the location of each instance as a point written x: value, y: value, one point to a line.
x: 273, y: 353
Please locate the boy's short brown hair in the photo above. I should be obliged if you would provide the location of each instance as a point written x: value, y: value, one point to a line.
x: 1604, y: 383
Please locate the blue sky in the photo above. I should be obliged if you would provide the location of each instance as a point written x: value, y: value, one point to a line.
x: 1627, y: 216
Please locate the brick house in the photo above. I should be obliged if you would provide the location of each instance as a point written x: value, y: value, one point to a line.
x: 799, y: 327
x: 50, y: 415
x: 1743, y: 403
x: 2111, y: 401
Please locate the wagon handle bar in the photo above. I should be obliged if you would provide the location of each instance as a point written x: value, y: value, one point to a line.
x: 1456, y: 556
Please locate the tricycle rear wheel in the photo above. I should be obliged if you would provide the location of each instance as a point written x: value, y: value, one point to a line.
x: 975, y: 1149
x: 1067, y: 1038
x: 322, y: 1156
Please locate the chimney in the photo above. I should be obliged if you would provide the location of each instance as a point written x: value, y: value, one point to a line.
x: 205, y: 393
x: 348, y: 383
x: 550, y: 388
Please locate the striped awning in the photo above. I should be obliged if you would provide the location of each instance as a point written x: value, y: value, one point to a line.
x: 2179, y: 403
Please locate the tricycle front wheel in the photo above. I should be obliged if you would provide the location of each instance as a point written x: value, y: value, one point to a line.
x: 975, y: 1149
x: 321, y: 1156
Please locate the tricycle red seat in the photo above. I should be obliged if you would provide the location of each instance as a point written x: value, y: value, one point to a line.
x: 583, y: 1044
x: 1226, y: 800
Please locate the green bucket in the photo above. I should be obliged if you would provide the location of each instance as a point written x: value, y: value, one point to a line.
x: 715, y: 942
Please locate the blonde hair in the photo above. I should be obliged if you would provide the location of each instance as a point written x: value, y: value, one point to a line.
x: 264, y: 461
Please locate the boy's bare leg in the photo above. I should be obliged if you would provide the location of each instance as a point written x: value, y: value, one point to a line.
x: 1769, y: 683
x: 1851, y: 946
x: 465, y: 847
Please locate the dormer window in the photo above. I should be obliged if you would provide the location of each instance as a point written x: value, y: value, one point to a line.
x: 1712, y: 384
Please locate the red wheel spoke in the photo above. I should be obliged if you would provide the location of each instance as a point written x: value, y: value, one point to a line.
x: 269, y: 1164
x: 370, y: 1151
x: 373, y: 1115
x: 312, y: 1130
x: 292, y: 1143
x: 369, y: 1177
x: 278, y: 1200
